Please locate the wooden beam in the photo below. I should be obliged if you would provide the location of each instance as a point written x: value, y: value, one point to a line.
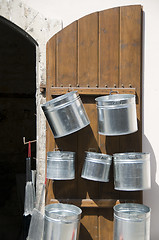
x: 94, y: 203
x: 91, y: 91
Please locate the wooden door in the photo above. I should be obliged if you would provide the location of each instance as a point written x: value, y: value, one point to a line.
x: 98, y: 53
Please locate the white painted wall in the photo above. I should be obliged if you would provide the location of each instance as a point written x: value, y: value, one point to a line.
x: 71, y: 10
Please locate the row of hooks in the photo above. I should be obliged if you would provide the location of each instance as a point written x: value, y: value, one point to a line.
x: 106, y: 86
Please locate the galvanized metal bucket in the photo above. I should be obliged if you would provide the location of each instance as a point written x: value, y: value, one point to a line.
x: 61, y: 165
x: 96, y: 167
x: 116, y: 114
x: 62, y: 222
x: 131, y: 222
x: 132, y: 171
x: 65, y: 114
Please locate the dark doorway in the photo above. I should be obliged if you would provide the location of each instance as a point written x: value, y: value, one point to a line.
x: 17, y: 119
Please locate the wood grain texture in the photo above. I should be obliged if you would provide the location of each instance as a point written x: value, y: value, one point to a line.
x: 88, y: 51
x: 97, y: 53
x: 109, y: 47
x: 130, y: 73
x: 66, y: 56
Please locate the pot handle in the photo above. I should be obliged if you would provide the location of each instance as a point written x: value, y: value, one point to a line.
x: 113, y: 91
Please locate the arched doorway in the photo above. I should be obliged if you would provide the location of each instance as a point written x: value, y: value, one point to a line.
x: 17, y: 119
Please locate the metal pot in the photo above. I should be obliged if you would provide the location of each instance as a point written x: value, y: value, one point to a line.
x: 96, y: 166
x: 61, y: 165
x: 62, y: 222
x: 65, y: 114
x: 116, y: 114
x: 132, y: 171
x: 131, y: 222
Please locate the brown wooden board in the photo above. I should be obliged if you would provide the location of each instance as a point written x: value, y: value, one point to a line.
x: 94, y: 55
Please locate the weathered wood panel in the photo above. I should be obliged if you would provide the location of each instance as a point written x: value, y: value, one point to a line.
x: 93, y: 55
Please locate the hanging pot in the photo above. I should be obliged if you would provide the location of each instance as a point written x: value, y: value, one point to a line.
x: 96, y: 166
x: 65, y: 114
x: 116, y: 114
x: 131, y: 221
x: 61, y: 165
x: 132, y: 171
x: 62, y: 222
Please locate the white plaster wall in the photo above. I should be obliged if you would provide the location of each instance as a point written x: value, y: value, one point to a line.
x: 71, y: 10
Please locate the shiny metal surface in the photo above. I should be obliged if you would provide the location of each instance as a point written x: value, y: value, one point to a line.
x: 61, y: 165
x: 131, y: 222
x: 65, y: 114
x: 96, y: 167
x: 132, y: 171
x: 116, y: 114
x: 62, y: 222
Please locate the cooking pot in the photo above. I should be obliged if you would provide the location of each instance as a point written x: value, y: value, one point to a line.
x: 131, y: 222
x: 65, y: 114
x: 96, y: 166
x: 116, y: 114
x: 62, y: 222
x: 132, y: 171
x: 61, y: 165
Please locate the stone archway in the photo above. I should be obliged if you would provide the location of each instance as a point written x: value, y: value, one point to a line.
x: 40, y: 29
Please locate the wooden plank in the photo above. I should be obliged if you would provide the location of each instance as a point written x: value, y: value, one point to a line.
x: 106, y: 224
x: 109, y: 47
x: 130, y: 73
x: 130, y: 66
x: 89, y: 224
x: 88, y: 51
x: 50, y: 65
x: 91, y: 91
x: 66, y: 75
x: 108, y: 77
x: 88, y: 137
x: 93, y: 203
x: 66, y: 55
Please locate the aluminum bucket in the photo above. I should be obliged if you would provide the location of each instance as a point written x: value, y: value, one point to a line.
x: 65, y: 114
x: 131, y: 222
x: 62, y: 222
x: 96, y: 167
x: 132, y: 171
x: 116, y: 114
x: 61, y: 165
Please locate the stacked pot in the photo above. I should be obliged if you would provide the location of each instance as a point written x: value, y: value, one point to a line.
x: 116, y: 116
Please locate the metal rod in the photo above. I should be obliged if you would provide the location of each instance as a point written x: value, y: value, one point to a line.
x: 28, y: 141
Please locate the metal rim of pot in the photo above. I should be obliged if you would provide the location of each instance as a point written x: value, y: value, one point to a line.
x: 123, y: 211
x: 55, y: 208
x: 60, y: 154
x: 98, y: 157
x: 131, y: 156
x: 115, y: 99
x: 92, y: 159
x: 61, y: 101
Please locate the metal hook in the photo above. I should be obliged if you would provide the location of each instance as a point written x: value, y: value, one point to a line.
x: 113, y: 91
x: 28, y: 142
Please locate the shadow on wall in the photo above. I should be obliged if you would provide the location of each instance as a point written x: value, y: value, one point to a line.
x: 151, y: 196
